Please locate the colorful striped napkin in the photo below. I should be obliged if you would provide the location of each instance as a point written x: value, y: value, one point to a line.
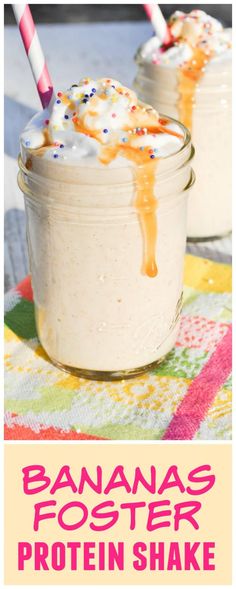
x: 187, y: 397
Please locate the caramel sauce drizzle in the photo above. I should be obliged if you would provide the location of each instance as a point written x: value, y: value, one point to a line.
x: 145, y: 203
x: 145, y: 167
x: 67, y: 101
x: 188, y: 77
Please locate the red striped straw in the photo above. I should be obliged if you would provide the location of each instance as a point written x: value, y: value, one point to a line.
x: 159, y: 24
x: 34, y: 52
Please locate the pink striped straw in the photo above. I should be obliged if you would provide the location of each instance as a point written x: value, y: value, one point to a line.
x: 159, y: 24
x: 34, y: 52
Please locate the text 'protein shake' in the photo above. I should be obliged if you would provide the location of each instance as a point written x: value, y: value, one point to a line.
x: 105, y: 180
x: 190, y: 79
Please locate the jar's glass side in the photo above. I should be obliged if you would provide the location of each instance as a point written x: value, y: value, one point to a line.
x: 209, y: 208
x: 97, y: 315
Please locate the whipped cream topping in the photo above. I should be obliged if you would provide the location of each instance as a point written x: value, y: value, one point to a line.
x: 100, y: 119
x: 188, y: 32
x: 103, y: 121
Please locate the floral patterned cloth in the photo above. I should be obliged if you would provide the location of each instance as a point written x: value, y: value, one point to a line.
x: 187, y: 397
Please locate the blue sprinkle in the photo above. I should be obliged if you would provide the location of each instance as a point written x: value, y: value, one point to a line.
x: 86, y: 96
x: 55, y: 155
x: 112, y: 86
x: 66, y: 117
x: 141, y: 148
x: 155, y: 150
x: 105, y: 130
x: 152, y: 157
x: 58, y: 101
x: 91, y: 95
x: 124, y: 139
x: 27, y: 143
x: 85, y: 100
x: 61, y: 145
x: 94, y: 90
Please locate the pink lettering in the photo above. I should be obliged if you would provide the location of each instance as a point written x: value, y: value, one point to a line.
x: 24, y: 553
x: 73, y: 546
x: 85, y: 478
x: 39, y: 477
x: 168, y: 484
x: 174, y: 560
x: 68, y: 507
x: 58, y: 556
x: 157, y: 556
x: 153, y: 515
x: 115, y: 484
x: 60, y: 484
x: 89, y: 555
x: 138, y: 549
x: 113, y: 515
x: 181, y: 514
x: 38, y: 516
x: 40, y: 555
x: 208, y: 479
x: 190, y: 560
x: 139, y: 478
x: 208, y: 555
x: 132, y: 507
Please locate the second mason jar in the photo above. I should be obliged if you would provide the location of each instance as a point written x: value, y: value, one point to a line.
x: 207, y: 113
x: 98, y: 314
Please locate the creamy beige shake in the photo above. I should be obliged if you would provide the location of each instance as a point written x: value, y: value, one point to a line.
x: 105, y: 180
x: 191, y: 80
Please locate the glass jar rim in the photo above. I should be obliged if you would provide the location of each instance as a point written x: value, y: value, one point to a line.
x: 43, y: 167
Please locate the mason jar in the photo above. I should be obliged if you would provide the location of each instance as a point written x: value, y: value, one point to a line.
x: 207, y: 113
x: 98, y: 315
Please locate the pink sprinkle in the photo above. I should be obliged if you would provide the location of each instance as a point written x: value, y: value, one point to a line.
x: 113, y: 115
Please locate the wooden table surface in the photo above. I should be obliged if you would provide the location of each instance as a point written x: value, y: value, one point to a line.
x: 72, y: 51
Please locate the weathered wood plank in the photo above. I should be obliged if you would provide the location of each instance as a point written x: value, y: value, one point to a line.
x: 16, y: 259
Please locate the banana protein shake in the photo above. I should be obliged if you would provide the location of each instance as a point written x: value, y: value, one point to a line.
x: 190, y: 79
x: 105, y: 180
